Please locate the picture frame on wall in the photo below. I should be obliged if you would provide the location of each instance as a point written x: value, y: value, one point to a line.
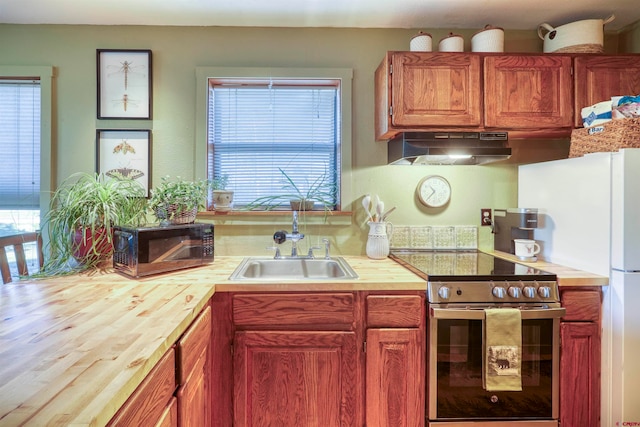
x: 124, y: 82
x: 124, y: 154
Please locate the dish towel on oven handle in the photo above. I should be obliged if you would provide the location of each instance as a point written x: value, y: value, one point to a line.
x: 502, y: 349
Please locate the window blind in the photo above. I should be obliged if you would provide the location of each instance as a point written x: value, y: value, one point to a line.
x: 20, y: 144
x: 254, y: 130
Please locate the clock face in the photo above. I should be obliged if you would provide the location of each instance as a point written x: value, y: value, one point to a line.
x: 434, y: 191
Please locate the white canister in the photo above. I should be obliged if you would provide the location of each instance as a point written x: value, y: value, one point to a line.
x: 421, y: 42
x: 489, y: 39
x: 451, y: 43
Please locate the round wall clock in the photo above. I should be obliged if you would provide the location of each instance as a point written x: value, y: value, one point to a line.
x: 434, y: 191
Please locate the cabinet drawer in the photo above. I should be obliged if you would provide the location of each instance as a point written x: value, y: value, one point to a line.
x: 193, y: 343
x: 581, y: 305
x: 389, y: 311
x: 147, y: 404
x: 295, y: 310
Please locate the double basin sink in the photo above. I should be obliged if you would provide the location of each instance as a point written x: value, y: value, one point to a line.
x: 287, y: 269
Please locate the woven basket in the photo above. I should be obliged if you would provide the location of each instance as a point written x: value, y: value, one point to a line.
x: 607, y: 137
x: 168, y: 214
x: 581, y: 48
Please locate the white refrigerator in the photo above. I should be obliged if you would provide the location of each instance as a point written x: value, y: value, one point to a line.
x: 589, y: 219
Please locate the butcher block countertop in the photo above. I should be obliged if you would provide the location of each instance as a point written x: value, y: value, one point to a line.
x: 566, y: 276
x: 72, y: 349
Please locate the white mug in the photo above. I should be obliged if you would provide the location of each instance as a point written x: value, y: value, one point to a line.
x: 526, y: 247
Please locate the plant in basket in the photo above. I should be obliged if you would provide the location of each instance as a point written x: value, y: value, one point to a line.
x: 178, y: 201
x: 81, y: 215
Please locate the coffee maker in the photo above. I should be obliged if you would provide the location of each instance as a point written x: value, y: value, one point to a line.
x: 513, y: 223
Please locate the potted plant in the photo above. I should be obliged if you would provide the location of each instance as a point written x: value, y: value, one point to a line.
x: 320, y: 192
x: 82, y: 213
x: 178, y: 201
x: 221, y: 197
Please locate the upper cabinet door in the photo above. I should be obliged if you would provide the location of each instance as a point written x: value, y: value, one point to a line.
x: 528, y: 92
x: 600, y: 77
x: 435, y: 89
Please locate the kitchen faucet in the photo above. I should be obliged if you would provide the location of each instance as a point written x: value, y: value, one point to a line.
x: 282, y: 236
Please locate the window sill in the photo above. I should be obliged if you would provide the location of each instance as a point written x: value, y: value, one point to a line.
x: 275, y: 217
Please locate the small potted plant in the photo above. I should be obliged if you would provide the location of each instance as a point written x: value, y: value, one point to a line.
x: 221, y: 196
x: 82, y: 213
x: 320, y: 192
x: 178, y: 201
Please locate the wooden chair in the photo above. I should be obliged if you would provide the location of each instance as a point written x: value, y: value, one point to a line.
x: 17, y: 241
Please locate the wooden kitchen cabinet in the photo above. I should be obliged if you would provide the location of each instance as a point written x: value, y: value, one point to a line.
x: 148, y: 404
x: 185, y: 368
x: 193, y: 368
x: 599, y: 77
x: 527, y: 92
x: 528, y: 95
x: 580, y: 357
x: 422, y: 89
x: 395, y: 361
x: 295, y: 360
x: 319, y: 359
x: 295, y: 378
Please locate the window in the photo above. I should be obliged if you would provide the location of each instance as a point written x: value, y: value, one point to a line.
x: 19, y: 148
x: 291, y: 121
x: 25, y: 144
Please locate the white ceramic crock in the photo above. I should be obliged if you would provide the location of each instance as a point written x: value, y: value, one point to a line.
x: 421, y: 42
x: 489, y: 39
x: 451, y: 43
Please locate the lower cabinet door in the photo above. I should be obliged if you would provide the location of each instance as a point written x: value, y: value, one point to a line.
x: 580, y: 374
x: 395, y: 378
x: 169, y: 417
x: 296, y: 378
x: 193, y: 402
x: 194, y: 373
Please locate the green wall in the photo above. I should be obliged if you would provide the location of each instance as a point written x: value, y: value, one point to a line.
x: 177, y: 51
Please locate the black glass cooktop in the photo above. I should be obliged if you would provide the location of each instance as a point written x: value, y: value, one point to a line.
x: 471, y: 265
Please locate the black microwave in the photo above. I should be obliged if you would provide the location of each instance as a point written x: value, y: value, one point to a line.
x: 143, y: 251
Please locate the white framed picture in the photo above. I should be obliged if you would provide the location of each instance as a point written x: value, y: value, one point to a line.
x: 124, y: 84
x: 124, y: 155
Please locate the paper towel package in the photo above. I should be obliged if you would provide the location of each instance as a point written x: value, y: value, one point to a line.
x: 596, y: 114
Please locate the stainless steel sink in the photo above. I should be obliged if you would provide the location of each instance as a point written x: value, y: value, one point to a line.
x: 286, y: 269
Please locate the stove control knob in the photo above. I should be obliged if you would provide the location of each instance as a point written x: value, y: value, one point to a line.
x: 498, y: 292
x: 544, y: 291
x: 443, y: 292
x: 514, y: 291
x: 529, y: 291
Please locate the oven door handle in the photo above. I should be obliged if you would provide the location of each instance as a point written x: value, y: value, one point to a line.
x: 478, y: 314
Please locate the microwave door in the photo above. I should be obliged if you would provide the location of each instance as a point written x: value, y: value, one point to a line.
x: 182, y: 250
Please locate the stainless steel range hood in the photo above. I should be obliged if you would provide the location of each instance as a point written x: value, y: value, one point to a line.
x: 448, y: 148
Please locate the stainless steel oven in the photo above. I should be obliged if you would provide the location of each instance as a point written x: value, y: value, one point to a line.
x: 461, y: 287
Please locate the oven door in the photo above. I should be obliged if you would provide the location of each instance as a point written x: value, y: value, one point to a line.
x: 456, y: 394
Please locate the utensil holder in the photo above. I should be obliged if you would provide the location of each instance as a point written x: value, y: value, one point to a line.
x: 378, y: 239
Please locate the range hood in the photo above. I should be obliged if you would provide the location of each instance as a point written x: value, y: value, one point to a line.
x: 448, y: 148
